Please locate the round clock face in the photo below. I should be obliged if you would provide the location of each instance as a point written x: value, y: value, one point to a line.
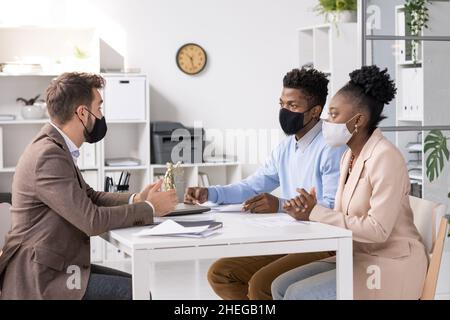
x: 191, y: 58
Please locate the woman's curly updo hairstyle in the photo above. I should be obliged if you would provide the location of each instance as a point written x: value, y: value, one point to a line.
x: 370, y: 88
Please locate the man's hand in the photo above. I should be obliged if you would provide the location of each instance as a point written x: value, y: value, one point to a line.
x: 196, y: 195
x: 301, y: 206
x: 263, y: 203
x: 142, y: 196
x: 163, y: 202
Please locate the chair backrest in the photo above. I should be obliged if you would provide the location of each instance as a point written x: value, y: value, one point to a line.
x: 427, y: 217
x: 434, y: 273
x: 5, y: 222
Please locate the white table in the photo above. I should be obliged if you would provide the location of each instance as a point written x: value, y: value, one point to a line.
x: 242, y: 235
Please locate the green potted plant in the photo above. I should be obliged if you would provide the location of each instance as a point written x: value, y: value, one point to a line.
x: 33, y: 108
x: 338, y: 10
x: 438, y: 154
x: 417, y: 17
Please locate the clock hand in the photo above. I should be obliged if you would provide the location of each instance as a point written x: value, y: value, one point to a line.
x: 192, y: 60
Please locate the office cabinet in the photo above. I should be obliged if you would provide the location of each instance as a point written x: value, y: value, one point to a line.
x: 125, y: 98
x: 423, y: 97
x: 411, y: 99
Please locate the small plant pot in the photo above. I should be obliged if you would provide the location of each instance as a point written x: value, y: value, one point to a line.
x: 33, y: 112
x: 345, y: 16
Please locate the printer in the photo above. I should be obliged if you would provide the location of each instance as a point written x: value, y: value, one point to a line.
x: 187, y: 144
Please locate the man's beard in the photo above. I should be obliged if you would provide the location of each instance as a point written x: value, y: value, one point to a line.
x: 89, y: 128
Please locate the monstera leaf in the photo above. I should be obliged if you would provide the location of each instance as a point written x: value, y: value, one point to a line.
x: 436, y: 144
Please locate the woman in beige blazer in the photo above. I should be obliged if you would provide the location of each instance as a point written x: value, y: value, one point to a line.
x: 390, y: 261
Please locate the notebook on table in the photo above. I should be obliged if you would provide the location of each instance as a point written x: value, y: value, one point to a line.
x: 187, y: 209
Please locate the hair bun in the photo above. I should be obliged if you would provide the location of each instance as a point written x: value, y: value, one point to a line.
x: 375, y: 83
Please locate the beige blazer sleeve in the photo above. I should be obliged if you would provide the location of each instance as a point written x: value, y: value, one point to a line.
x: 57, y: 187
x: 386, y: 175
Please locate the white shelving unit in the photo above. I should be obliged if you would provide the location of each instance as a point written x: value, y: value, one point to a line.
x: 133, y: 137
x: 422, y: 95
x: 409, y: 102
x: 332, y: 49
x: 53, y: 49
x: 126, y: 107
x: 218, y: 174
x: 34, y: 56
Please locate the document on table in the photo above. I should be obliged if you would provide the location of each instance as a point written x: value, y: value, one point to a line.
x: 282, y: 220
x: 228, y: 208
x: 172, y: 228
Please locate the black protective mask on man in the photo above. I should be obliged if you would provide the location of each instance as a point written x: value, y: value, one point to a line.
x: 98, y: 132
x: 292, y: 122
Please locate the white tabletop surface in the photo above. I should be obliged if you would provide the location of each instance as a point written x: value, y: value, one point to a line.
x: 238, y: 228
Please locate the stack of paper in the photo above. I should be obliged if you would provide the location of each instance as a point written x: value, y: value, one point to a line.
x: 7, y: 117
x: 229, y: 208
x: 203, y: 180
x: 21, y: 68
x: 122, y: 162
x: 174, y: 229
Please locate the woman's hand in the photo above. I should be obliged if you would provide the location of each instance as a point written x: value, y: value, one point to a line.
x: 301, y: 206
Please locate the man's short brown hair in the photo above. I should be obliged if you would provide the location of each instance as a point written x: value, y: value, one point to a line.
x: 70, y: 90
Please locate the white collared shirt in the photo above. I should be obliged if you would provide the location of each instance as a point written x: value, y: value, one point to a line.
x: 306, y: 140
x: 73, y: 149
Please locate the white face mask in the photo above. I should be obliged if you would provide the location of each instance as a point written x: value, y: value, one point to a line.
x: 336, y: 134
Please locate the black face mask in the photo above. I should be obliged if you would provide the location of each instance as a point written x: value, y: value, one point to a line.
x: 98, y: 132
x: 292, y: 122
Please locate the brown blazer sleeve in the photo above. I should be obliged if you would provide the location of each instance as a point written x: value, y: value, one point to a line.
x: 388, y: 178
x: 57, y: 186
x: 107, y: 199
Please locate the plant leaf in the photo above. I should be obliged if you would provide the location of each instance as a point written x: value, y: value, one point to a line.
x: 438, y: 154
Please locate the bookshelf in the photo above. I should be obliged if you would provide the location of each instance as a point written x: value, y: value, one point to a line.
x: 201, y: 174
x: 421, y: 96
x: 126, y: 107
x: 332, y: 49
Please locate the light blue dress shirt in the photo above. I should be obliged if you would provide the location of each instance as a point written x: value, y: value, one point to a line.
x: 306, y: 163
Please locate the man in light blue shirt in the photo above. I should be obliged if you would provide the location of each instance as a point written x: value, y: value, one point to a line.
x: 293, y: 164
x: 302, y: 160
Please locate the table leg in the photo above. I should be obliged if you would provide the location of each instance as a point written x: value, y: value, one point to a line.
x: 141, y: 275
x: 344, y: 269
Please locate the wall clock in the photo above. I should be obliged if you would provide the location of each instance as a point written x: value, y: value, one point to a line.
x: 191, y: 59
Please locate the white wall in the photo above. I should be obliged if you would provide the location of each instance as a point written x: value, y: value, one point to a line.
x: 251, y: 44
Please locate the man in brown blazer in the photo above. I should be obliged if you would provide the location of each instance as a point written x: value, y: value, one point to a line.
x: 54, y: 212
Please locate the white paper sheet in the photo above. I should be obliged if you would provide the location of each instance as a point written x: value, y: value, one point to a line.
x: 203, y: 234
x: 170, y: 227
x: 281, y: 220
x: 229, y: 208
